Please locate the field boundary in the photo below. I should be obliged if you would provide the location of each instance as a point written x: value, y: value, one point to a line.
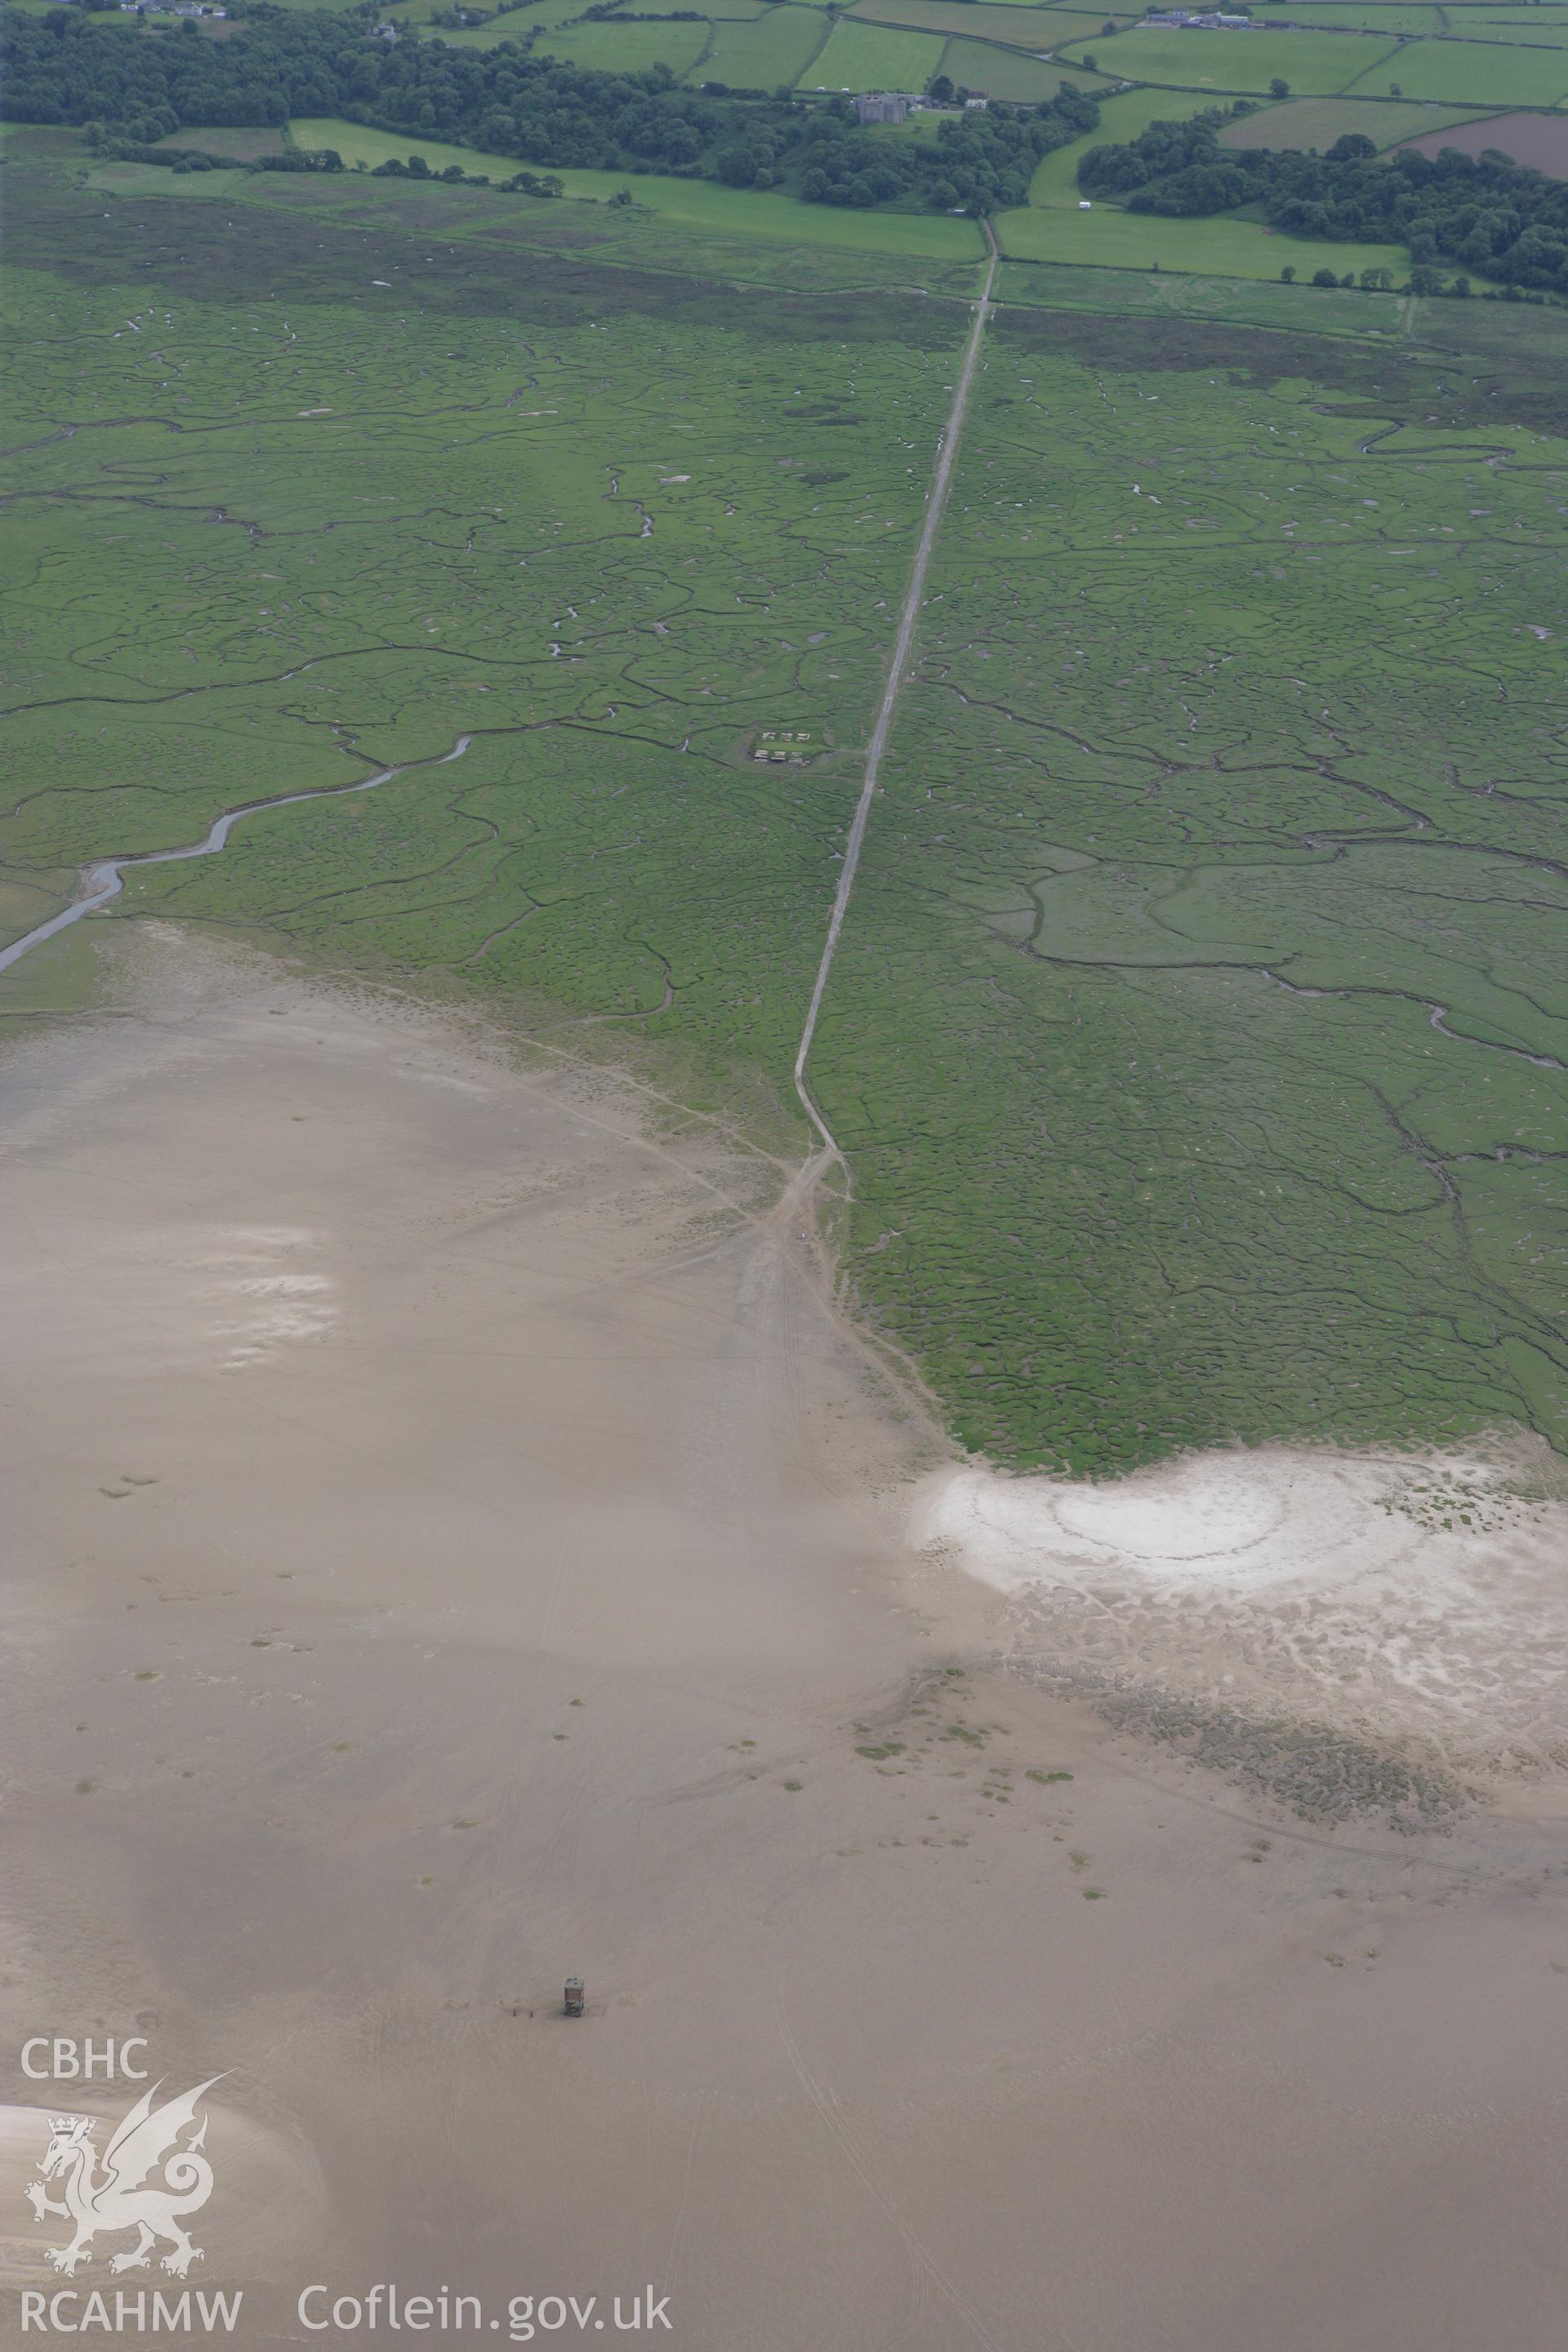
x: 827, y: 25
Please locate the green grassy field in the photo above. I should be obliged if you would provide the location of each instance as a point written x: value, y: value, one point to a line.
x: 768, y: 44
x: 1546, y: 28
x: 1005, y: 73
x: 985, y: 20
x: 760, y: 56
x: 874, y: 56
x: 1199, y: 1032
x: 686, y: 204
x: 512, y: 24
x: 1221, y: 244
x: 1123, y: 117
x: 1167, y: 300
x: 627, y: 48
x: 1307, y: 122
x: 244, y: 144
x: 1372, y: 16
x: 99, y: 18
x: 1469, y: 73
x: 358, y: 143
x: 1313, y: 64
x: 561, y: 22
x: 512, y: 28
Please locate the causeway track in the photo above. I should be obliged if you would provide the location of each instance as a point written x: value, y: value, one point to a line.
x: 819, y: 1162
x: 102, y: 879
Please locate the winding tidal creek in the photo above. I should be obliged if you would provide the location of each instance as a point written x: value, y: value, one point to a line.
x: 104, y: 877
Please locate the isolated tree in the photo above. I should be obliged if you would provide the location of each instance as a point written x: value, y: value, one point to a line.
x: 1279, y: 86
x: 1288, y: 274
x: 1325, y: 277
x: 941, y: 90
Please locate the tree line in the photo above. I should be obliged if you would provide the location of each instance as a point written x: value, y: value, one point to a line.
x: 1486, y: 212
x: 513, y: 100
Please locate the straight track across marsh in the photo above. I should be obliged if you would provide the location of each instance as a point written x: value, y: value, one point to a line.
x: 946, y: 453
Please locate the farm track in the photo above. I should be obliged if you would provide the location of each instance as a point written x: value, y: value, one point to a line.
x: 820, y: 1162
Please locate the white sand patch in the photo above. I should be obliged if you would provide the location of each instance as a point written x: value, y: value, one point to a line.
x: 260, y: 1304
x: 1236, y: 1522
x: 1396, y: 1592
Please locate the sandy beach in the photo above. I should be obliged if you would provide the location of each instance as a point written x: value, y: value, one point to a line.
x: 453, y: 1544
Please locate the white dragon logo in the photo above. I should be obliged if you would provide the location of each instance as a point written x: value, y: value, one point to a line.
x: 101, y: 2204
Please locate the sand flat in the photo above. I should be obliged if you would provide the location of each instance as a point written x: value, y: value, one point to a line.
x: 1416, y: 1596
x: 445, y: 1521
